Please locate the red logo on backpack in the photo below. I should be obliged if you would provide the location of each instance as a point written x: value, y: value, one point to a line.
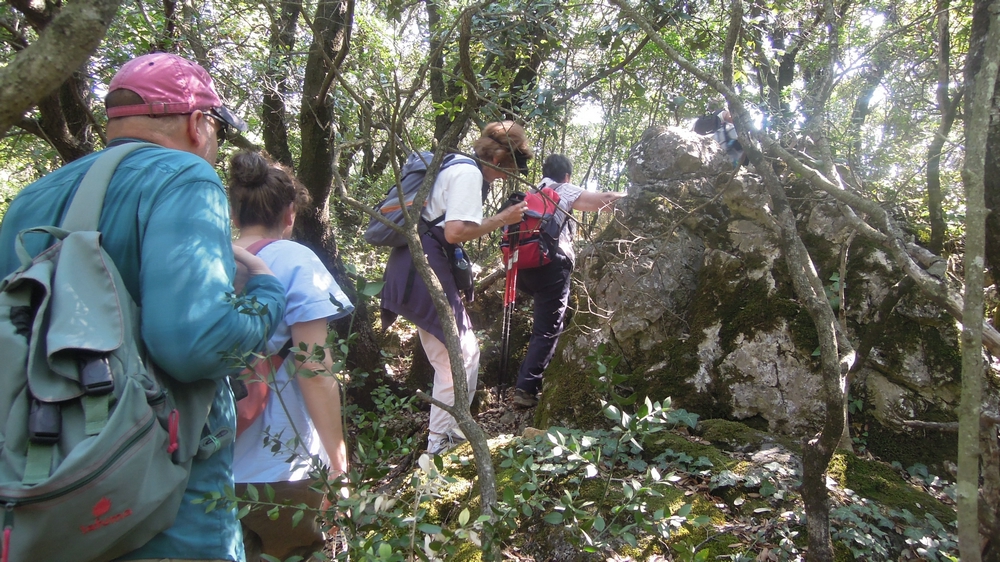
x: 101, y: 508
x: 535, y: 240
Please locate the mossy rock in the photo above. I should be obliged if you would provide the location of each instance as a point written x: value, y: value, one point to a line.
x: 568, y: 398
x: 659, y: 443
x: 736, y: 436
x: 884, y: 485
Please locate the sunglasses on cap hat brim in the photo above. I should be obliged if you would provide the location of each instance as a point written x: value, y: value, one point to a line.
x: 222, y: 112
x: 227, y: 119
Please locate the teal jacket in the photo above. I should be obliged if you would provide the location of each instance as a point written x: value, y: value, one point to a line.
x: 165, y: 223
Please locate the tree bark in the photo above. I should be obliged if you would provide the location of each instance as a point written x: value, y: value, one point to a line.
x: 992, y: 181
x: 948, y: 110
x: 862, y: 107
x: 169, y: 34
x: 331, y: 40
x: 440, y: 89
x: 989, y: 492
x: 282, y: 40
x: 63, y: 46
x: 980, y: 78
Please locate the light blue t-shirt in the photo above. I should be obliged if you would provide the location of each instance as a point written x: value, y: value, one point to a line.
x: 165, y: 223
x: 312, y: 294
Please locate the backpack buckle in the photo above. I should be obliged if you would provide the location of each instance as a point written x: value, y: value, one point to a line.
x: 44, y: 422
x: 95, y: 375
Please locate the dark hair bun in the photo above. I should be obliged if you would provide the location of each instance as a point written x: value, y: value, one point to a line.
x: 249, y: 169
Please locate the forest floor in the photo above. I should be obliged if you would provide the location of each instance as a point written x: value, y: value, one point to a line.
x: 750, y: 493
x: 753, y: 521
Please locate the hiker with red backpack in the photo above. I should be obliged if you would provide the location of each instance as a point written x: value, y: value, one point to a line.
x: 543, y: 244
x: 453, y: 214
x: 302, y: 407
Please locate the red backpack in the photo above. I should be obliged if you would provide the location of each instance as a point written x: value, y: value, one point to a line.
x: 251, y: 400
x: 535, y: 240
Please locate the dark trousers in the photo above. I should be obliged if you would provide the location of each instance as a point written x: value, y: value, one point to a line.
x: 549, y: 287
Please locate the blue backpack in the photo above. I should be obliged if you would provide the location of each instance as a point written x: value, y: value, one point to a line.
x: 411, y: 176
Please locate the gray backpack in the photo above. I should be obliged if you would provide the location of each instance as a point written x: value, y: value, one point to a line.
x: 95, y: 446
x: 411, y: 176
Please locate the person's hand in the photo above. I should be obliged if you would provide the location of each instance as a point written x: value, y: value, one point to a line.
x: 513, y: 214
x: 247, y: 265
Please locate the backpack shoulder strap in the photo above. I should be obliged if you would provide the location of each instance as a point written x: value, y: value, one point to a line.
x: 285, y: 349
x: 259, y: 245
x: 449, y: 160
x: 85, y: 210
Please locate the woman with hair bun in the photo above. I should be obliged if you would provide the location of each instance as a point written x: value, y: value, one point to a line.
x: 455, y: 207
x: 303, y: 406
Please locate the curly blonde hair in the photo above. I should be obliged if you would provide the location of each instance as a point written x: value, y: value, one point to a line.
x: 506, y: 143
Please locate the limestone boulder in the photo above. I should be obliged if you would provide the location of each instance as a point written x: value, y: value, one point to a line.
x: 690, y: 288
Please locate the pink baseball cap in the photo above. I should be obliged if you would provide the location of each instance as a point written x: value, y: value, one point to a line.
x: 169, y: 85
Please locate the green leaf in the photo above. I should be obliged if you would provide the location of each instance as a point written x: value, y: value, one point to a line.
x: 463, y: 518
x: 553, y: 518
x: 429, y: 529
x: 628, y: 401
x: 372, y: 288
x: 297, y: 517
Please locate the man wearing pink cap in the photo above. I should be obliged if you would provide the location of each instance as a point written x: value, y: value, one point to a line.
x: 165, y: 223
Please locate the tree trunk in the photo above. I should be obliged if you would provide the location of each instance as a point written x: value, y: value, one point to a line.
x: 281, y: 42
x: 440, y: 89
x: 947, y: 109
x: 862, y: 107
x: 989, y: 493
x: 980, y: 78
x: 331, y: 41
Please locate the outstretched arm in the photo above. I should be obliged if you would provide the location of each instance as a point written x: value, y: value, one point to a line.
x: 595, y: 202
x: 456, y: 232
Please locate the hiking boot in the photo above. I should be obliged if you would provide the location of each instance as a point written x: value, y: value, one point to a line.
x: 523, y: 399
x: 438, y: 443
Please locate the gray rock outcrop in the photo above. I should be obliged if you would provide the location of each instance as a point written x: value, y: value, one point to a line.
x: 690, y: 287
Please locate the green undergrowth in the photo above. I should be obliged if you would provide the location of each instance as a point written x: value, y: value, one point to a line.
x: 652, y: 480
x: 711, y: 503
